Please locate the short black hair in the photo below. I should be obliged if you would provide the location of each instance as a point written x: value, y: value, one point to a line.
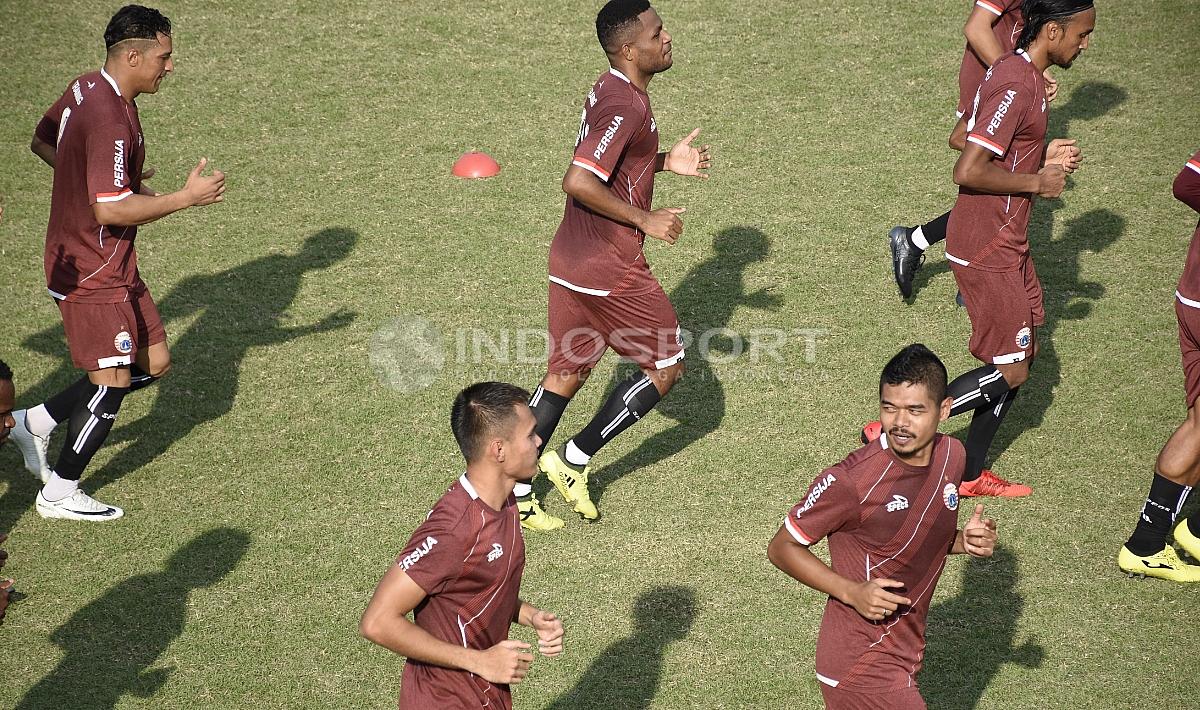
x: 917, y: 365
x: 614, y: 21
x: 5, y: 371
x: 135, y: 22
x: 482, y: 410
x: 1037, y: 13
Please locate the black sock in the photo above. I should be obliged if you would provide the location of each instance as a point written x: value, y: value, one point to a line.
x: 60, y: 406
x: 630, y: 401
x: 978, y: 388
x: 984, y: 425
x: 935, y: 229
x: 139, y: 378
x: 548, y: 408
x: 88, y: 427
x: 1162, y: 505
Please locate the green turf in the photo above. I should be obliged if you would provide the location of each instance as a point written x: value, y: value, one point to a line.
x: 269, y: 481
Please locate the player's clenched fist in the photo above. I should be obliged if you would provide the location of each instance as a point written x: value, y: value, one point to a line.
x: 550, y: 632
x: 205, y: 189
x: 1051, y: 181
x: 505, y: 663
x: 664, y: 224
x: 873, y: 601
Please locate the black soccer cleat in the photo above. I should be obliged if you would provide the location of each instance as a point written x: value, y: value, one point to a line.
x: 906, y: 258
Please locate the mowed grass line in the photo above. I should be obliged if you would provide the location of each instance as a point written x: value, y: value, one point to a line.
x: 828, y: 125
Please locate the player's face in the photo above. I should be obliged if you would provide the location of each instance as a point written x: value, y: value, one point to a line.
x: 155, y: 63
x: 652, y: 44
x: 521, y: 446
x: 910, y: 418
x: 7, y: 398
x: 1073, y: 38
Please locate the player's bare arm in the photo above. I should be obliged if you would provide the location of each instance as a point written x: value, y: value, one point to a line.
x: 980, y: 37
x: 686, y: 159
x: 198, y: 191
x: 1063, y: 152
x: 976, y: 170
x: 871, y: 599
x: 43, y: 150
x: 548, y: 626
x: 591, y: 192
x: 958, y: 137
x: 978, y: 537
x: 385, y: 622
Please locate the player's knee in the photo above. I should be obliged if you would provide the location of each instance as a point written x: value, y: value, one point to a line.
x: 160, y: 367
x: 1016, y: 374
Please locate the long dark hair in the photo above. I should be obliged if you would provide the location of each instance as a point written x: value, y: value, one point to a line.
x: 1038, y: 12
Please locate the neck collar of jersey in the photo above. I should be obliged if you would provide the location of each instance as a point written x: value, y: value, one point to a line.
x: 619, y: 75
x: 1024, y: 55
x: 883, y: 440
x: 466, y: 484
x: 111, y: 81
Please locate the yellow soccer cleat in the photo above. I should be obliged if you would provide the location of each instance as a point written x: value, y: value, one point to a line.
x: 1185, y: 539
x: 571, y: 481
x: 1164, y: 564
x: 534, y: 518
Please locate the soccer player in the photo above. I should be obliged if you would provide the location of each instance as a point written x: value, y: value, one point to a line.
x: 890, y: 511
x: 602, y: 292
x: 1002, y: 165
x: 92, y: 139
x: 991, y: 30
x: 461, y: 570
x: 1177, y: 470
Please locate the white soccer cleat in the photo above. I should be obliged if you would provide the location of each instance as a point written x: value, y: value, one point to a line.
x: 33, y: 447
x: 77, y: 506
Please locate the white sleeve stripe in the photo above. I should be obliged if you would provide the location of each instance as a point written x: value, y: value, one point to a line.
x: 989, y: 7
x: 1193, y: 165
x: 795, y: 532
x: 990, y: 146
x: 591, y: 169
x: 115, y: 198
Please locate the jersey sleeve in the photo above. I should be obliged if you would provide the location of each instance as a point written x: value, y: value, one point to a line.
x: 829, y: 506
x: 109, y: 160
x: 434, y: 555
x: 1187, y: 183
x: 996, y: 7
x: 47, y: 128
x: 608, y: 126
x: 1001, y: 110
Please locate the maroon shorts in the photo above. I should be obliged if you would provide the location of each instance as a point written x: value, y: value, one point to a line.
x: 846, y: 699
x: 1189, y: 345
x: 103, y: 335
x: 1004, y: 308
x: 642, y: 328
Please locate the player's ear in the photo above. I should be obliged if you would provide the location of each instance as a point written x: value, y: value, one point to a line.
x: 944, y: 409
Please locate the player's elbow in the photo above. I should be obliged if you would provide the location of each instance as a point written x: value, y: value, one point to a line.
x: 963, y: 174
x: 369, y: 626
x: 571, y: 184
x: 775, y: 551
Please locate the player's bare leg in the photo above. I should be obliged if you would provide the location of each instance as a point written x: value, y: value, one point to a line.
x: 149, y: 365
x: 547, y: 403
x: 1176, y: 472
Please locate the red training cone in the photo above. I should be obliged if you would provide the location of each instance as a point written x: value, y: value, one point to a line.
x: 475, y: 165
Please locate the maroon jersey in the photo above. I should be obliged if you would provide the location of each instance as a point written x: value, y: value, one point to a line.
x: 884, y: 519
x: 98, y: 158
x: 618, y: 142
x: 1187, y: 191
x: 1007, y: 28
x: 468, y: 558
x: 990, y: 232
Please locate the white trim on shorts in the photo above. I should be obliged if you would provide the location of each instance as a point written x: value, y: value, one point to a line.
x: 827, y: 680
x: 1187, y: 301
x: 579, y: 289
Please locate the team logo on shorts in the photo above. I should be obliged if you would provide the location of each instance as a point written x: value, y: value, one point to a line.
x: 950, y: 496
x: 1024, y: 337
x: 123, y: 342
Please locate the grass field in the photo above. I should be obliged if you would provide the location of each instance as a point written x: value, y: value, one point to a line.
x: 323, y: 317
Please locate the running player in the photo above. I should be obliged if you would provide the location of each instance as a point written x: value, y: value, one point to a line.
x: 1177, y: 470
x: 991, y: 30
x: 602, y: 293
x: 461, y: 570
x: 92, y: 139
x: 890, y: 511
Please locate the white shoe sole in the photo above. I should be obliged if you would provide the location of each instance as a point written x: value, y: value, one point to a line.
x: 50, y: 510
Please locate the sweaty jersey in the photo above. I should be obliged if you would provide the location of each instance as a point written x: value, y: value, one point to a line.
x: 1187, y: 191
x: 990, y: 232
x: 884, y: 519
x: 98, y: 158
x: 468, y: 558
x: 618, y: 143
x: 1007, y: 28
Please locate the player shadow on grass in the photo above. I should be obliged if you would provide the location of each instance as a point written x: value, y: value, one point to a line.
x: 973, y: 635
x: 238, y: 309
x: 627, y: 673
x: 1089, y: 101
x: 110, y: 645
x: 705, y: 300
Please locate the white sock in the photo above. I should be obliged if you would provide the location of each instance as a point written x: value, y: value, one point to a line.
x: 522, y: 489
x: 918, y: 239
x: 575, y: 457
x: 58, y: 488
x: 39, y: 422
